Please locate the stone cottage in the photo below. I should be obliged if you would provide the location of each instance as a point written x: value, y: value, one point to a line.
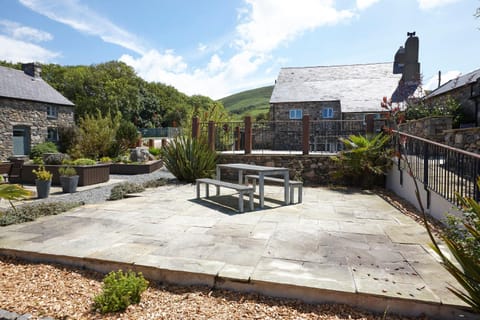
x: 344, y: 92
x: 466, y: 90
x: 31, y: 111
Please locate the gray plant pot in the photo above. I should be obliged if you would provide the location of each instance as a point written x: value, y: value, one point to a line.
x: 69, y: 183
x: 43, y: 188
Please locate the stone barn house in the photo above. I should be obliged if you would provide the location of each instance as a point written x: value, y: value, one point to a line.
x: 342, y: 92
x: 465, y: 90
x: 31, y: 111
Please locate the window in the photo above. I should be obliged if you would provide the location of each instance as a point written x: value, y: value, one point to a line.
x: 52, y: 112
x: 327, y: 113
x: 52, y: 134
x: 296, y: 114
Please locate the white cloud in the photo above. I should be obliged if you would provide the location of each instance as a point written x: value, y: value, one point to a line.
x: 432, y: 83
x: 19, y: 51
x: 20, y: 32
x: 267, y: 24
x: 431, y: 4
x: 81, y: 18
x: 364, y: 4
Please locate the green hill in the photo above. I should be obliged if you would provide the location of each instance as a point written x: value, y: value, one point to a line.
x: 250, y: 102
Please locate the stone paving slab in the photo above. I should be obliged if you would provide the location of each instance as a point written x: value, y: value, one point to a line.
x: 338, y: 245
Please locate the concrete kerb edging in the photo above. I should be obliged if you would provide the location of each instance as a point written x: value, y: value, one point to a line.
x: 374, y: 303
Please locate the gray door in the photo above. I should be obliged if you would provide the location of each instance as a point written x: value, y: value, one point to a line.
x: 21, y: 140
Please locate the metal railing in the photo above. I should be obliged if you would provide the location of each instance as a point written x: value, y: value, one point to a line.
x: 440, y: 168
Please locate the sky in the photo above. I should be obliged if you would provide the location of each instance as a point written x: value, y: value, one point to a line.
x: 220, y: 47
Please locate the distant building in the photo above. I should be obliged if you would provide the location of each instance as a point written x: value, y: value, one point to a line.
x: 466, y: 90
x: 30, y: 110
x: 344, y: 92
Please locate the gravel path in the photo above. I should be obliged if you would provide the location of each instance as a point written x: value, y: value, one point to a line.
x: 102, y: 193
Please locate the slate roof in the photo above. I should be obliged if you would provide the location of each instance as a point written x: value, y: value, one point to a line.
x: 455, y: 83
x: 359, y: 87
x: 18, y: 85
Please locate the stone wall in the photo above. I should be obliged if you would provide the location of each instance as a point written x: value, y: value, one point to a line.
x: 281, y: 111
x: 311, y: 169
x: 462, y: 96
x: 32, y: 115
x: 465, y: 139
x: 431, y: 128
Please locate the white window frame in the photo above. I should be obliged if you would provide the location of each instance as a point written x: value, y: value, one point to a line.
x: 327, y: 113
x: 295, y: 114
x: 52, y: 112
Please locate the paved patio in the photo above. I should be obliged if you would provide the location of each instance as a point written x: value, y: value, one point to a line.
x: 337, y: 246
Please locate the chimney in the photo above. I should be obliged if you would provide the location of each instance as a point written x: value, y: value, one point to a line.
x: 406, y: 60
x: 32, y: 69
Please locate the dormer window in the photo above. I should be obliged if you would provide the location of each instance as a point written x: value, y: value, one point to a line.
x: 52, y: 112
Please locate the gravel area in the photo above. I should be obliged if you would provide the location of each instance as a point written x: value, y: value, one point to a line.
x: 102, y: 193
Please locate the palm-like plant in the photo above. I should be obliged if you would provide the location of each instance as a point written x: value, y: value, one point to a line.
x: 364, y: 159
x: 12, y: 192
x: 188, y: 159
x: 468, y: 275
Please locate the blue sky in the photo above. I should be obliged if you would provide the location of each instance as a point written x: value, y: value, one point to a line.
x: 219, y: 47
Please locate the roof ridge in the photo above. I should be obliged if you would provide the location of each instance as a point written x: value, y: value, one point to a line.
x: 338, y: 65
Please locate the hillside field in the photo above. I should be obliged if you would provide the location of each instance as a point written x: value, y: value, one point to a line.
x: 250, y: 102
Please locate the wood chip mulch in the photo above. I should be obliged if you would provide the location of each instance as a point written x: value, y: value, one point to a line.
x: 65, y: 293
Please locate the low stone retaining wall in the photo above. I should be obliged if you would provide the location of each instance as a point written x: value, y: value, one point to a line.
x: 431, y: 128
x: 466, y: 139
x: 311, y: 169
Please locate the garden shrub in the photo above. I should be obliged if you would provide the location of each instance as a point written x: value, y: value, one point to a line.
x: 154, y: 151
x: 96, y: 135
x: 365, y: 160
x: 462, y: 236
x: 84, y: 162
x: 55, y: 158
x: 121, y: 190
x: 31, y: 212
x: 155, y: 183
x: 105, y: 159
x: 119, y: 291
x: 67, y: 138
x: 189, y: 159
x: 126, y: 136
x: 41, y: 148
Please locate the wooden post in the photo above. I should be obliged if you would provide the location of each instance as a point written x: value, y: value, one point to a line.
x: 151, y: 143
x: 195, y: 127
x: 164, y: 142
x: 238, y: 138
x: 306, y: 134
x: 369, y: 119
x: 248, y: 135
x: 211, y: 135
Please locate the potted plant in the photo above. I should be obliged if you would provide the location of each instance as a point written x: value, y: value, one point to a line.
x: 68, y: 179
x: 43, y: 181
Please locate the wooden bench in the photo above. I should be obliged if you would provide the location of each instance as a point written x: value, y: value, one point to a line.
x: 242, y: 189
x: 292, y: 184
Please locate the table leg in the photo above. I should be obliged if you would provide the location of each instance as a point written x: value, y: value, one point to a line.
x: 286, y: 184
x: 240, y: 176
x: 261, y: 191
x: 218, y: 177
